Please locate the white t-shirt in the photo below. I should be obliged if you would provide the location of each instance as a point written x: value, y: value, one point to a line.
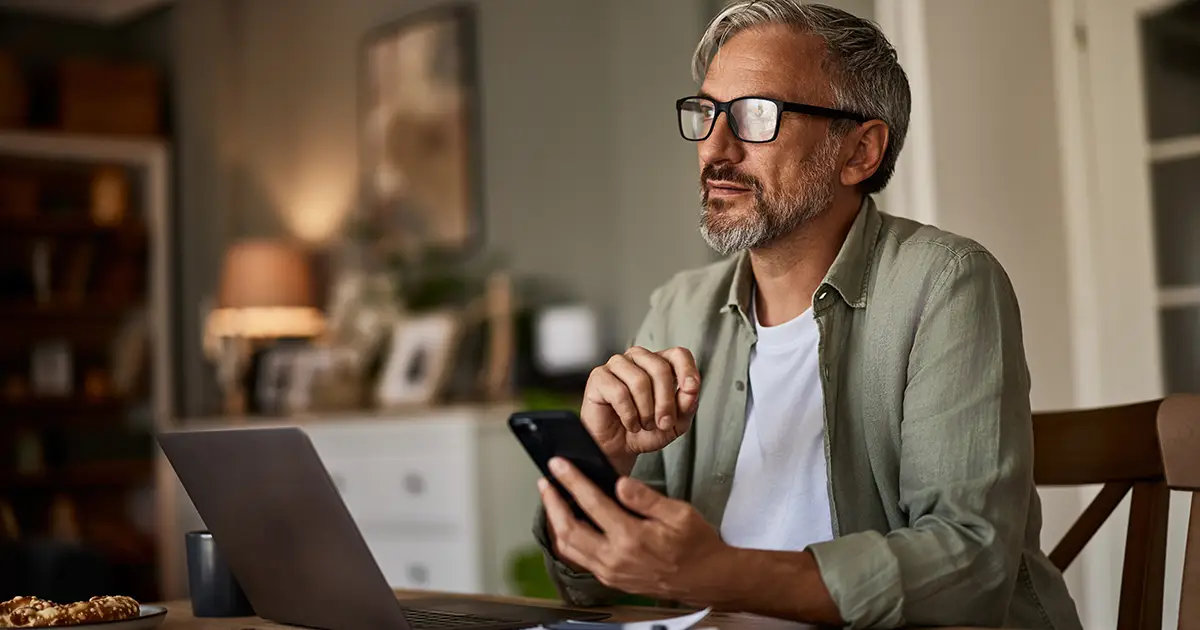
x: 779, y: 499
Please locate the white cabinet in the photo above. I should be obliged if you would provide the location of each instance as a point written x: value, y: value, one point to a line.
x: 443, y: 498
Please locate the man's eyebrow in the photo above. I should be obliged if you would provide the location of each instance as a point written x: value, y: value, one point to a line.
x: 703, y: 94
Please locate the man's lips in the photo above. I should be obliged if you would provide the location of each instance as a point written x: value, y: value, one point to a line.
x: 723, y: 188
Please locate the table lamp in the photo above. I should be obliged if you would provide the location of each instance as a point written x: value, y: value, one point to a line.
x: 266, y: 293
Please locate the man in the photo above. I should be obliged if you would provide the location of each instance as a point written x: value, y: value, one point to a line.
x: 832, y: 426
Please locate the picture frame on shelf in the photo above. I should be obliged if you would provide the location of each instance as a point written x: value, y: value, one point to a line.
x: 418, y: 360
x: 309, y: 368
x: 302, y: 378
x: 273, y: 379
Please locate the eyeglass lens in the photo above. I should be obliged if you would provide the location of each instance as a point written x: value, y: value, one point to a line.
x: 752, y: 119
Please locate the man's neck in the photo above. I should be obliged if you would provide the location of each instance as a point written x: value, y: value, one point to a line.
x: 789, y: 270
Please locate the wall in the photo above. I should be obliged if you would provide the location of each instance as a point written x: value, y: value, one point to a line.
x: 586, y: 183
x: 203, y: 185
x: 657, y: 197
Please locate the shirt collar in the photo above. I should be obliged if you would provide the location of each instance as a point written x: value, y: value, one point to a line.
x: 851, y: 268
x: 847, y: 275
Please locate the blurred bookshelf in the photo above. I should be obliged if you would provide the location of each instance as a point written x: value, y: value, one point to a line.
x: 85, y: 372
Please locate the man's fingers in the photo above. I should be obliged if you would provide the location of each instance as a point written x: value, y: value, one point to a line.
x: 646, y: 501
x: 662, y: 378
x: 640, y: 386
x: 576, y: 540
x: 603, y: 510
x: 613, y: 392
x: 687, y: 376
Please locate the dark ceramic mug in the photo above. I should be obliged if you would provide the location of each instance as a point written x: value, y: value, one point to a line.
x: 213, y: 589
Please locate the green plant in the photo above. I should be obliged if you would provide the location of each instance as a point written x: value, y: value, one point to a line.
x: 534, y: 399
x: 438, y: 277
x: 527, y: 570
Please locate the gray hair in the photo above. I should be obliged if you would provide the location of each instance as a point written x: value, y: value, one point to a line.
x: 863, y: 67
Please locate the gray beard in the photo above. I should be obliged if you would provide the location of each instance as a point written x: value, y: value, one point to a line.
x: 773, y: 215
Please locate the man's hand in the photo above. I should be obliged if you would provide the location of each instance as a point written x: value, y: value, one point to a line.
x: 673, y: 554
x: 639, y: 402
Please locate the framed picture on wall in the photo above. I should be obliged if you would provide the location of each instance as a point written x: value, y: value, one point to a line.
x: 419, y: 133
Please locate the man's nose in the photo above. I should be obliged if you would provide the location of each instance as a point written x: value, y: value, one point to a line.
x: 721, y: 145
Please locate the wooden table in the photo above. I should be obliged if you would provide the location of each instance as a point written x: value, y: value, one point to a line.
x: 179, y: 617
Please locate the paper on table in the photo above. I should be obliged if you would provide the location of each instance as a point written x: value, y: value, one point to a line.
x: 671, y: 623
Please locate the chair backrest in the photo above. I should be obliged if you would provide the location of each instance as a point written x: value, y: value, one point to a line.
x: 1141, y: 447
x: 1179, y: 436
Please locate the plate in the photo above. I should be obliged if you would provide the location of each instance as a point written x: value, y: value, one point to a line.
x: 148, y: 617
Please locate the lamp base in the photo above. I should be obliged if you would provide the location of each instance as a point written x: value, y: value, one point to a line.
x: 235, y: 402
x: 232, y: 362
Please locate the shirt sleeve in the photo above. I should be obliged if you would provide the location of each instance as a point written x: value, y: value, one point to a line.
x: 583, y: 589
x: 966, y: 468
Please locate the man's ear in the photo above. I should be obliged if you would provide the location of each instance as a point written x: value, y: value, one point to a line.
x: 867, y: 144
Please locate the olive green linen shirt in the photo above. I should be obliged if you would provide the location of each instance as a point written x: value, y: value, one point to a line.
x: 928, y: 435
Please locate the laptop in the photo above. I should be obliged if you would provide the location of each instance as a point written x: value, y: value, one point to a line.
x: 284, y: 531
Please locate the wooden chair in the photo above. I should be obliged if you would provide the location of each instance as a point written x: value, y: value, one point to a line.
x: 1148, y: 448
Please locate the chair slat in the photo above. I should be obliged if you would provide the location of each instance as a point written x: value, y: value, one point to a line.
x: 1145, y: 564
x: 1098, y: 511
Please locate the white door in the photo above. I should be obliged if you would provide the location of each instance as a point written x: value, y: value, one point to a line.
x: 1129, y: 79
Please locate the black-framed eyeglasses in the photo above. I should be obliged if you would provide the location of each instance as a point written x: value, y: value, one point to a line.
x: 752, y: 118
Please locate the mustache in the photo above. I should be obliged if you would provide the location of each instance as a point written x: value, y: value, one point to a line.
x: 728, y: 173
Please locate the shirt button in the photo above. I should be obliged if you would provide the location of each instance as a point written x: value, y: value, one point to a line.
x: 738, y: 385
x: 721, y: 478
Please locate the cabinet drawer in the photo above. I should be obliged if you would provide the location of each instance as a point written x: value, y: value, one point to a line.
x: 352, y: 480
x: 438, y: 565
x: 421, y: 488
x: 374, y: 440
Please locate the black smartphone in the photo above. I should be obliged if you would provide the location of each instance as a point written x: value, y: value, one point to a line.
x: 548, y: 434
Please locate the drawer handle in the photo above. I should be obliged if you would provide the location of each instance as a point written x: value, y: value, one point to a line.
x: 414, y: 483
x: 418, y: 574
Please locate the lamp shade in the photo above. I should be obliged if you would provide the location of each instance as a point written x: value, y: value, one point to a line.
x: 266, y: 290
x: 265, y: 274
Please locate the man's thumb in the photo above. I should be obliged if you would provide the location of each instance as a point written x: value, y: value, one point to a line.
x: 640, y: 498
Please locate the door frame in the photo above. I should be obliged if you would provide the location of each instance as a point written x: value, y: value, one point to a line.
x: 1107, y: 200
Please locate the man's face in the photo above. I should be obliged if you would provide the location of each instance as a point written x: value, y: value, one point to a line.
x: 753, y: 193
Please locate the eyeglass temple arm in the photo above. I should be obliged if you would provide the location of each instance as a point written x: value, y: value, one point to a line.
x: 815, y: 110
